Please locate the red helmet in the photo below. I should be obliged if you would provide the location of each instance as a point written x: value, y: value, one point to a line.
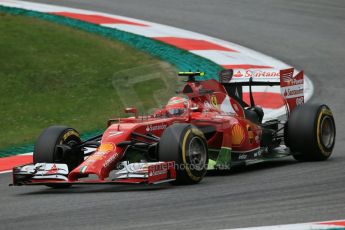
x: 176, y: 106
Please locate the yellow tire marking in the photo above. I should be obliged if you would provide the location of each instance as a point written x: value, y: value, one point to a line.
x: 197, y: 132
x: 70, y: 133
x: 195, y: 178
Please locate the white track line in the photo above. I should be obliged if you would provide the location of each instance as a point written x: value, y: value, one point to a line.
x: 301, y: 226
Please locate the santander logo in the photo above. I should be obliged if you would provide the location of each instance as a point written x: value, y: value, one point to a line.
x: 151, y: 128
x: 257, y: 73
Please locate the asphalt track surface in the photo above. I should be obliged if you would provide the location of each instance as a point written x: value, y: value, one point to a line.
x: 308, y: 34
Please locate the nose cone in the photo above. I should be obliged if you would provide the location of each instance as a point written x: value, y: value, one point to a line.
x: 99, y: 163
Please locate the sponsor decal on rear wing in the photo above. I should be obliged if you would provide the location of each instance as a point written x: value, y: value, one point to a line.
x: 266, y: 76
x: 292, y: 87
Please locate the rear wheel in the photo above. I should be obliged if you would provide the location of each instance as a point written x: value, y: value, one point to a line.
x: 53, y: 146
x: 187, y: 146
x: 310, y: 132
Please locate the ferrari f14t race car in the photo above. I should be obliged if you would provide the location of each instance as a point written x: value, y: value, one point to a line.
x: 208, y: 127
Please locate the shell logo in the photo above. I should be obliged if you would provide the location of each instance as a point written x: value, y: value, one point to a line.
x: 106, y: 147
x: 237, y: 134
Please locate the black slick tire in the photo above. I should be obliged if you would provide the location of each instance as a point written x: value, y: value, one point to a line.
x: 187, y: 147
x: 310, y: 132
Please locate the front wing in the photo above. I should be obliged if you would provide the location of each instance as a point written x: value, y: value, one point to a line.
x: 57, y: 174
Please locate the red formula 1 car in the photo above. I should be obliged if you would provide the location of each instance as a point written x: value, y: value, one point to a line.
x: 208, y: 127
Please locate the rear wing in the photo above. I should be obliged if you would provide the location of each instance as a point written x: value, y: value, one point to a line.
x: 291, y: 87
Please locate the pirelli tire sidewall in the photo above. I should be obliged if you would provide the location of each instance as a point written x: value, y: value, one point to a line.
x: 304, y: 132
x: 174, y: 146
x: 45, y: 150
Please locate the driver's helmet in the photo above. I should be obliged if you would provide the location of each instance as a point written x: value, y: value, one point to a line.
x: 176, y: 106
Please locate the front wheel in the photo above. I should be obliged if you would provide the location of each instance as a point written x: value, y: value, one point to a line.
x: 310, y: 132
x: 49, y: 148
x: 187, y: 147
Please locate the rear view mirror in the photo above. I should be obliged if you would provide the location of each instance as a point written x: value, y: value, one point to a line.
x: 132, y: 110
